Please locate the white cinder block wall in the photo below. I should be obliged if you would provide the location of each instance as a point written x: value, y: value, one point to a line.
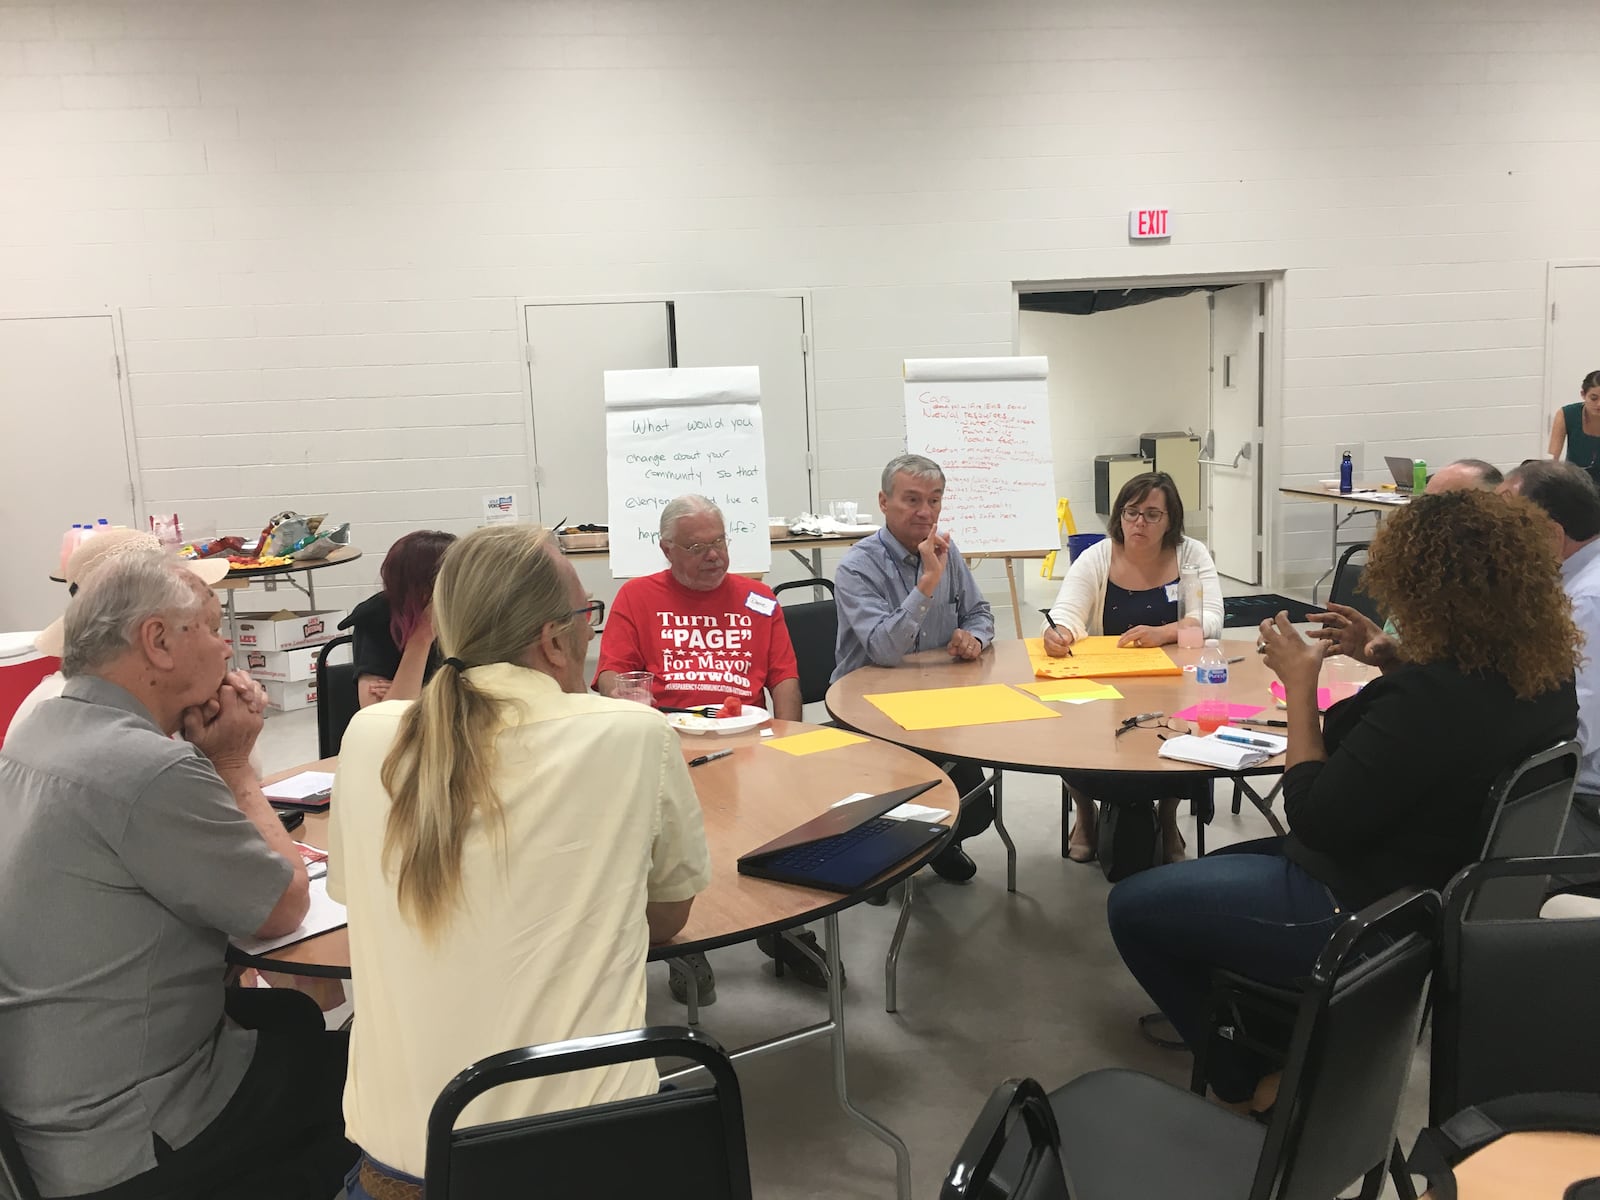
x: 315, y: 217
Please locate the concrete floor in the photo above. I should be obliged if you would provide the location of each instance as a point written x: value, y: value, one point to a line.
x: 991, y: 985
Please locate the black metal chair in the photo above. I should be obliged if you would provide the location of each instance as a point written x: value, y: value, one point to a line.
x: 814, y: 630
x: 337, y: 698
x: 1346, y: 587
x: 1127, y: 1134
x: 1040, y: 1176
x: 1514, y: 998
x: 686, y: 1144
x: 14, y: 1171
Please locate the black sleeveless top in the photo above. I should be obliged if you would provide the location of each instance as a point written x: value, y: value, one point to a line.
x: 1125, y: 609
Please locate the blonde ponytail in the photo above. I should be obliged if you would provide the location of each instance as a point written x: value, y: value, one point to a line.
x: 497, y: 590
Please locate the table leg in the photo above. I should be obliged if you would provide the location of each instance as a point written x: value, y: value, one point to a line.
x: 891, y: 963
x: 841, y: 1086
x: 1016, y: 608
x: 1005, y: 834
x: 1264, y: 803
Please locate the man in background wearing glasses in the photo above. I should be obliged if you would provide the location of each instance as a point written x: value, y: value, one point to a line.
x: 704, y: 635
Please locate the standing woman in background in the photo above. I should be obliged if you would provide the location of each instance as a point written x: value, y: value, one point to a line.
x: 1127, y: 587
x: 393, y: 653
x: 1578, y: 427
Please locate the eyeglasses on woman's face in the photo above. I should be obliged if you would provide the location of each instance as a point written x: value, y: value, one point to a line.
x: 594, y: 613
x: 1145, y: 516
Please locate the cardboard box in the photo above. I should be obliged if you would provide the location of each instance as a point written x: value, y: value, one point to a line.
x: 287, y: 630
x: 287, y: 697
x: 286, y: 666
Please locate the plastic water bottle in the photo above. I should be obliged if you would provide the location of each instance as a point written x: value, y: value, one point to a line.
x: 1211, y: 676
x: 1191, y: 610
x: 1346, y: 475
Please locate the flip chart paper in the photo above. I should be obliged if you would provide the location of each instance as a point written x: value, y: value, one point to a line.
x: 986, y: 422
x: 677, y: 430
x: 947, y: 708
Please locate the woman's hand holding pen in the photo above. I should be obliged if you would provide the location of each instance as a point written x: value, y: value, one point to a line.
x: 1057, y: 641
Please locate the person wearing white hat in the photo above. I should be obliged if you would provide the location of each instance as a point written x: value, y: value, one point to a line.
x: 85, y: 558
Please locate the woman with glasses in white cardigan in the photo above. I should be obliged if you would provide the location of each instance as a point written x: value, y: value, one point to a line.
x: 1127, y: 587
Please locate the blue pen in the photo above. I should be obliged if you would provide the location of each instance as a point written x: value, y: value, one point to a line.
x: 1239, y: 739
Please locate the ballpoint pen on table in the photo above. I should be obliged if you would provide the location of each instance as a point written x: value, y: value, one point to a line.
x: 705, y: 758
x: 1239, y: 739
x: 1266, y: 723
x: 1057, y: 628
x: 1240, y: 659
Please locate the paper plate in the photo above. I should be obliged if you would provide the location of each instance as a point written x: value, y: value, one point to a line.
x: 747, y: 719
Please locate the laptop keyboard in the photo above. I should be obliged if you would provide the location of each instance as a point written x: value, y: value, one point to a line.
x: 808, y: 857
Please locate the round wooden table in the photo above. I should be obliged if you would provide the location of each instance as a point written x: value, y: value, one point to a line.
x: 1082, y: 738
x: 746, y: 800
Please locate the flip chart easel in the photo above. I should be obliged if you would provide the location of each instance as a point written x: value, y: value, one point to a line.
x: 986, y: 422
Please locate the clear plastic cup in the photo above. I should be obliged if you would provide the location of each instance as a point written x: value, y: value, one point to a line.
x: 843, y: 511
x: 636, y: 686
x: 1344, y: 677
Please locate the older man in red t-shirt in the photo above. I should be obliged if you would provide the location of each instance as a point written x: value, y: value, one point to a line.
x: 704, y: 634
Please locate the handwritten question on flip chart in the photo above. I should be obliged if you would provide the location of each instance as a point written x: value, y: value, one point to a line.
x: 677, y: 430
x: 986, y: 422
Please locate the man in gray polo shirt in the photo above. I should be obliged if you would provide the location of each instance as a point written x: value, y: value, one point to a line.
x: 127, y: 859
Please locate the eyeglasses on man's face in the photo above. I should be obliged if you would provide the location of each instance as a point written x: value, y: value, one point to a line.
x: 1147, y: 516
x: 701, y: 549
x: 594, y: 613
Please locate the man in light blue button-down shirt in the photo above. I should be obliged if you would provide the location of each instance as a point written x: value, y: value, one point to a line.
x: 907, y: 588
x: 1569, y: 497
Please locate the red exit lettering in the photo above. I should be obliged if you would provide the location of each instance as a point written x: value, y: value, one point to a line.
x: 1149, y: 223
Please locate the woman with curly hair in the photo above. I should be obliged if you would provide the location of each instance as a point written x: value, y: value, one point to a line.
x: 1391, y: 790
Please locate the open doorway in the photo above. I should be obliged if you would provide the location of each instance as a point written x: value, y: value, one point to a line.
x: 1174, y: 375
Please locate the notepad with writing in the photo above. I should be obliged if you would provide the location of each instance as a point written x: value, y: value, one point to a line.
x: 1212, y: 751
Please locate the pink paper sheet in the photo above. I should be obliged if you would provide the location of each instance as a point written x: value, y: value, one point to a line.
x: 1324, y: 696
x: 1236, y: 712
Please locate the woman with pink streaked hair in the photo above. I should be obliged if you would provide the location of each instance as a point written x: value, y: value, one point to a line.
x: 394, y: 654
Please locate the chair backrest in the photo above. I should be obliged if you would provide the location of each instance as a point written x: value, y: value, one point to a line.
x: 993, y: 1164
x: 1514, y: 1002
x: 814, y: 630
x: 14, y: 1171
x: 1527, y: 812
x: 337, y: 698
x: 1354, y: 1037
x: 1346, y: 587
x: 17, y: 681
x: 686, y: 1144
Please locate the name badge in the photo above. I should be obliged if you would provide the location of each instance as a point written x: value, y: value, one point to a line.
x: 761, y: 604
x: 1172, y: 591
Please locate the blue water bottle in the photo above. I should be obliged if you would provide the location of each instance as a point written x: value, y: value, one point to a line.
x: 1346, y: 473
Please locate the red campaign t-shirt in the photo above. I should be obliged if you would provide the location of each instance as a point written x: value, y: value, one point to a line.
x: 700, y: 646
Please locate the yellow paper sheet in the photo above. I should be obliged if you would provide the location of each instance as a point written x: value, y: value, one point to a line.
x: 814, y: 742
x: 1078, y: 691
x: 1099, y: 658
x: 946, y: 708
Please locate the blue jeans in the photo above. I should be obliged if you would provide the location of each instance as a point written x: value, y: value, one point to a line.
x: 352, y: 1182
x: 1246, y: 908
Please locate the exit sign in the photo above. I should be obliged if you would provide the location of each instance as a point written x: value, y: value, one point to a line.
x: 1149, y: 223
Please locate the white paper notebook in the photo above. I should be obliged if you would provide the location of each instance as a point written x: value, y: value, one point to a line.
x: 324, y: 914
x: 1212, y: 751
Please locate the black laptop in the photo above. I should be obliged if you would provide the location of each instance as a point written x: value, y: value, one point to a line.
x: 847, y: 846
